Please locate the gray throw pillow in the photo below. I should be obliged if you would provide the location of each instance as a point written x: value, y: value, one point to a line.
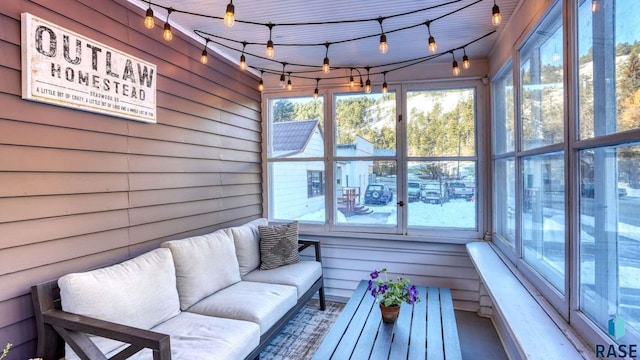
x: 278, y: 245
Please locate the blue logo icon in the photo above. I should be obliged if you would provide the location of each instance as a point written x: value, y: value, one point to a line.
x: 616, y: 327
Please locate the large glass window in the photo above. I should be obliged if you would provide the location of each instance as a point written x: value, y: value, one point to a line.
x: 609, y: 175
x: 610, y: 237
x: 543, y: 216
x: 503, y: 111
x: 441, y: 124
x: 541, y: 83
x: 295, y: 158
x: 365, y: 167
x: 504, y: 200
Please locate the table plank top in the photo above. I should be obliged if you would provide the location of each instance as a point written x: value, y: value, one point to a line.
x: 426, y: 329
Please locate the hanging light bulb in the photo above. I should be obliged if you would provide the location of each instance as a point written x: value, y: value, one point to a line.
x: 352, y: 82
x: 465, y: 60
x: 456, y: 68
x: 289, y: 85
x: 496, y: 18
x: 594, y: 6
x: 205, y: 57
x: 433, y: 47
x: 243, y: 59
x: 243, y: 62
x: 167, y: 34
x: 316, y: 92
x: 282, y: 77
x: 149, y: 23
x: 367, y: 84
x: 385, y: 88
x: 229, y: 16
x: 270, y: 53
x: 325, y: 63
x: 384, y: 46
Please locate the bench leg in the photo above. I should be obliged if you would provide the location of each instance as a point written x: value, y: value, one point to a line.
x: 323, y: 304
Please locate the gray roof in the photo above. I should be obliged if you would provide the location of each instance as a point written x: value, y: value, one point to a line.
x: 292, y: 135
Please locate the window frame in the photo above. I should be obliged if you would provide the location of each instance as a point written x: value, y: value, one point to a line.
x: 401, y: 232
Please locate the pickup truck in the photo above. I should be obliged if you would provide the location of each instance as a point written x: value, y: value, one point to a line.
x: 458, y: 190
x: 413, y: 190
x: 434, y: 193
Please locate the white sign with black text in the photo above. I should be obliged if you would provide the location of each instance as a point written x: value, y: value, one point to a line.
x: 64, y: 68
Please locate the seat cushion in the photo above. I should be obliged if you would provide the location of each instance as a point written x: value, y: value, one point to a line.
x: 198, y: 337
x: 140, y: 292
x: 204, y: 264
x: 301, y: 275
x: 278, y: 245
x: 246, y: 238
x: 261, y: 303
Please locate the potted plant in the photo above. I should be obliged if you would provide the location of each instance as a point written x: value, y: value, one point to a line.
x: 391, y: 293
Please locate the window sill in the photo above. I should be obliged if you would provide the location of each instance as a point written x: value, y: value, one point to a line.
x: 528, y: 328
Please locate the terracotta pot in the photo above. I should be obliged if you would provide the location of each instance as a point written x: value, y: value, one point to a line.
x: 389, y: 313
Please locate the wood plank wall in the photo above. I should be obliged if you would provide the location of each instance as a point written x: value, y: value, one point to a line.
x: 79, y: 190
x: 348, y: 260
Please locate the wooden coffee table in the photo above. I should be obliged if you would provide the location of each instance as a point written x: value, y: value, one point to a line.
x: 425, y: 330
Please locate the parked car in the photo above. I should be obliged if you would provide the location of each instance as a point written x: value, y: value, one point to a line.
x: 413, y: 190
x: 434, y: 194
x: 377, y: 194
x: 587, y: 189
x: 458, y: 190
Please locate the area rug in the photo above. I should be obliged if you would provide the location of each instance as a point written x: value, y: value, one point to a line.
x: 300, y: 338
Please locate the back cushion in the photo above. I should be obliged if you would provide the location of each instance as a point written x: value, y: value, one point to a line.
x: 140, y: 292
x: 204, y: 265
x: 247, y: 242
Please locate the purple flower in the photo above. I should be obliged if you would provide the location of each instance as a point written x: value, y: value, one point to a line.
x: 375, y: 274
x: 413, y: 294
x: 370, y: 287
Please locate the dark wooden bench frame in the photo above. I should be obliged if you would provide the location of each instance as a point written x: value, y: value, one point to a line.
x: 55, y: 326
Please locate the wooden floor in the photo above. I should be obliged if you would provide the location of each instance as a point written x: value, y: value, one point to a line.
x: 478, y: 337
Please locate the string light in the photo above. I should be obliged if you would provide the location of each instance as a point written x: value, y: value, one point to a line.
x: 456, y: 68
x: 205, y: 57
x: 229, y: 16
x: 433, y: 47
x: 385, y: 88
x: 496, y: 18
x: 149, y: 23
x: 325, y: 64
x: 466, y: 64
x: 352, y: 82
x: 384, y: 46
x: 243, y: 59
x: 282, y: 77
x: 270, y: 52
x: 594, y: 6
x: 261, y: 82
x: 167, y: 34
x: 289, y: 85
x: 367, y: 84
x: 316, y: 91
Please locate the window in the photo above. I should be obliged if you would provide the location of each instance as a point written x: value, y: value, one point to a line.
x: 365, y: 159
x: 441, y: 124
x: 504, y: 175
x: 315, y: 183
x: 295, y: 159
x: 573, y: 176
x: 362, y: 168
x: 609, y: 179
